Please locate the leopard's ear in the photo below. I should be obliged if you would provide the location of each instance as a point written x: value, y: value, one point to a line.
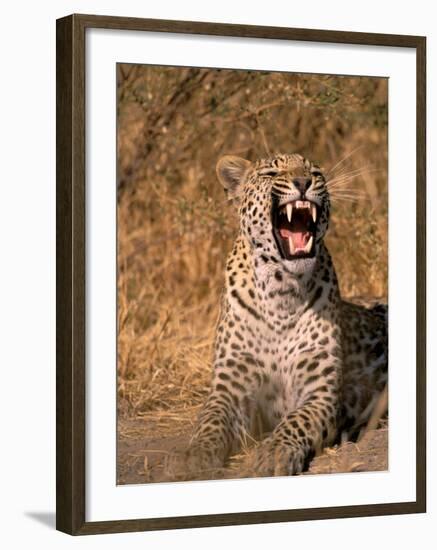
x: 230, y: 172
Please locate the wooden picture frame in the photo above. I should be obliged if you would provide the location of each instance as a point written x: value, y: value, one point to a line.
x: 71, y: 274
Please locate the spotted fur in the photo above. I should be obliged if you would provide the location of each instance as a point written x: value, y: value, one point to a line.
x: 287, y: 347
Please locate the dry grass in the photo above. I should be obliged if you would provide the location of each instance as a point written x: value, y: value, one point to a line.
x: 175, y: 227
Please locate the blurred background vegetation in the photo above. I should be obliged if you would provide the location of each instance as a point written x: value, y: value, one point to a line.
x: 175, y: 227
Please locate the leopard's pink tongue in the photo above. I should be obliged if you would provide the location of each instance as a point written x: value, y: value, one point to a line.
x: 300, y: 238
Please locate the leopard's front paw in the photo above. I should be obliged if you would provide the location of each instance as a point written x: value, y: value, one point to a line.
x: 193, y: 463
x: 275, y: 457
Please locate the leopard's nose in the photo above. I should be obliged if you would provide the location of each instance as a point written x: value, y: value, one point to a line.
x: 302, y: 184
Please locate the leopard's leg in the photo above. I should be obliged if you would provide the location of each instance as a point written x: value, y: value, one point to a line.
x: 304, y: 431
x: 365, y: 370
x: 363, y: 387
x: 222, y: 423
x: 365, y: 378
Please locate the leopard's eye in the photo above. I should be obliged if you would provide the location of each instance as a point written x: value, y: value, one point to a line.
x: 269, y: 173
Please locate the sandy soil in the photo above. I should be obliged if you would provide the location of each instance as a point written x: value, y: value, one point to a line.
x: 141, y: 456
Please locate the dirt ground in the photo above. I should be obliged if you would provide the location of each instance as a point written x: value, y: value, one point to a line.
x: 141, y: 456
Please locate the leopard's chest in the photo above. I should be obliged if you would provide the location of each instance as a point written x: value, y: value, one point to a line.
x: 284, y: 363
x: 275, y: 362
x: 278, y: 395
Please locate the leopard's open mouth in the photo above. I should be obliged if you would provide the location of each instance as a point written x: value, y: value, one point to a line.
x: 294, y: 228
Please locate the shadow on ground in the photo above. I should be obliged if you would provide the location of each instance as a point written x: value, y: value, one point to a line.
x: 45, y: 518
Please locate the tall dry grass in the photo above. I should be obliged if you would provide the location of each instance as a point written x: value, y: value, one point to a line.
x: 175, y: 227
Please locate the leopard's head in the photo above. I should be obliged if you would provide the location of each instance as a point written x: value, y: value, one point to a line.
x: 283, y: 205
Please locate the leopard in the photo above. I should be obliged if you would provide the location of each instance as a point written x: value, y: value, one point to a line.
x: 289, y: 351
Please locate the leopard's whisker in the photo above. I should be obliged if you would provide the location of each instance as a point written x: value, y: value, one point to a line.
x: 342, y: 160
x: 354, y: 197
x: 350, y: 197
x: 347, y: 194
x: 352, y: 170
x: 352, y: 175
x: 349, y: 169
x: 344, y: 185
x: 348, y: 191
x: 358, y: 194
x: 346, y: 199
x: 338, y: 197
x: 343, y: 171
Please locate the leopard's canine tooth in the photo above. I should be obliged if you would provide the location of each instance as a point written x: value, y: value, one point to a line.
x: 291, y: 245
x: 309, y: 245
x: 313, y: 212
x: 289, y: 211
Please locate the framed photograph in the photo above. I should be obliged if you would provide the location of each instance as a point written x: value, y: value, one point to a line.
x: 240, y: 274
